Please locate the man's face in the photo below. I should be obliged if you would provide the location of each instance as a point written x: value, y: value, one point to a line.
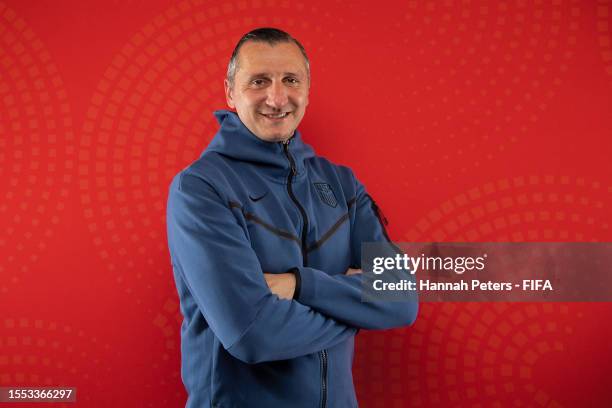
x: 270, y: 90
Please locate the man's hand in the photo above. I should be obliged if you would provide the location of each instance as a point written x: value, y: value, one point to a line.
x: 351, y: 271
x: 281, y: 284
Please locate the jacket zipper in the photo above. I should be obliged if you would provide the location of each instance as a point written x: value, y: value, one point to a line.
x: 292, y: 174
x: 323, y: 355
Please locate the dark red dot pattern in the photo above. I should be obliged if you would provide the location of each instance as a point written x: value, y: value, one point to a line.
x: 36, y: 148
x: 468, y: 121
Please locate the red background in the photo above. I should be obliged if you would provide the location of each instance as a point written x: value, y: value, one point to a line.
x: 467, y: 120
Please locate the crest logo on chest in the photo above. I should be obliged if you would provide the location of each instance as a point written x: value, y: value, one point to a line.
x: 326, y: 194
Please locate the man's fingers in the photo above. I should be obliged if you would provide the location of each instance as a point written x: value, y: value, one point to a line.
x: 269, y: 279
x: 351, y: 271
x: 281, y: 284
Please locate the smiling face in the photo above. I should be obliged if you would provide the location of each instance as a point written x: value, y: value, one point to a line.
x: 270, y: 89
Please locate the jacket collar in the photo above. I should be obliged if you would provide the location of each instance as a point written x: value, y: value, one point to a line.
x: 236, y: 141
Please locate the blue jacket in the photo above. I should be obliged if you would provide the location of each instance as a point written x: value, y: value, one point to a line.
x: 246, y: 207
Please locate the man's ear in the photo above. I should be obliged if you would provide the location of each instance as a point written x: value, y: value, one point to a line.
x: 228, y: 94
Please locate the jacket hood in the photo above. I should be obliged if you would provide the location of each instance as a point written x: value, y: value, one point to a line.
x: 236, y: 141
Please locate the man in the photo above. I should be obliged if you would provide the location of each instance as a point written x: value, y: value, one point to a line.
x: 262, y: 234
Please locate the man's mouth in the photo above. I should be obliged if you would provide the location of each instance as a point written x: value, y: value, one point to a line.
x: 276, y: 116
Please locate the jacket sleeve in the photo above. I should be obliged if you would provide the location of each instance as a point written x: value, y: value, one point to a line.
x: 339, y: 296
x: 213, y: 255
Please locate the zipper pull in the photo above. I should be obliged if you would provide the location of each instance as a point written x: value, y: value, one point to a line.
x: 291, y: 161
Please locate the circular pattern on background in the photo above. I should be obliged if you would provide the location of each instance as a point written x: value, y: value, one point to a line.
x: 457, y: 352
x: 522, y: 208
x: 483, y: 354
x: 36, y: 147
x: 480, y: 72
x: 44, y: 354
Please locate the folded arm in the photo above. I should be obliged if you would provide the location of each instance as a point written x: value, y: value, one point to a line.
x: 211, y: 252
x: 339, y: 296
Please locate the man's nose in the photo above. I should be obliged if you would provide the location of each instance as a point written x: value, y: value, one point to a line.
x: 277, y: 95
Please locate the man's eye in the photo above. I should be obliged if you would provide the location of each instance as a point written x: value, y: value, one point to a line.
x: 257, y: 82
x: 292, y: 80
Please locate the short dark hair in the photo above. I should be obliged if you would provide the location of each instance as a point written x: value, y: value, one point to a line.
x: 267, y: 35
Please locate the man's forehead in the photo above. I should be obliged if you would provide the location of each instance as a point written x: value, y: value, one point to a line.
x: 263, y: 58
x: 271, y: 72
